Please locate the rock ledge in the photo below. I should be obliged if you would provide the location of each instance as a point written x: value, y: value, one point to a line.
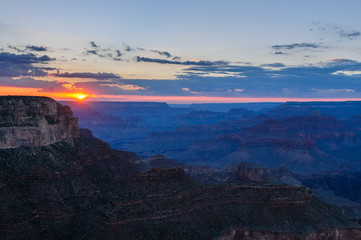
x: 34, y: 121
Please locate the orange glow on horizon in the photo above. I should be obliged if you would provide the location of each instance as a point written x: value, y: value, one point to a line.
x: 168, y: 99
x: 22, y: 91
x: 81, y: 96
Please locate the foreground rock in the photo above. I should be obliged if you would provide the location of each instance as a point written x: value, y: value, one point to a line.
x: 34, y: 121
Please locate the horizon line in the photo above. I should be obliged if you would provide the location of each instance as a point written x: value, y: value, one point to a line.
x: 185, y: 99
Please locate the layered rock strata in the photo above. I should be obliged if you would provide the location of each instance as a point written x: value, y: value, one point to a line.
x: 34, y: 121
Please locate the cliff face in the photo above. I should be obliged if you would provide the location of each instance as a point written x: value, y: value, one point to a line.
x: 34, y: 121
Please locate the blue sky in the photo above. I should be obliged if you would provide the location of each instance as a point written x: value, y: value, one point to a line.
x: 225, y: 49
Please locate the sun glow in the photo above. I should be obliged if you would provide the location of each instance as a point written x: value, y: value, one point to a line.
x: 81, y: 96
x: 22, y: 91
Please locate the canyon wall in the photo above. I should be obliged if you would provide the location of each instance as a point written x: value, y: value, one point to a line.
x: 34, y: 121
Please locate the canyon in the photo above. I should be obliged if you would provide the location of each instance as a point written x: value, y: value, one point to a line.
x: 78, y: 187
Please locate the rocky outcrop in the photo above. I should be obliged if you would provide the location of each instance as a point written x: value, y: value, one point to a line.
x: 34, y: 121
x: 241, y: 173
x: 157, y: 161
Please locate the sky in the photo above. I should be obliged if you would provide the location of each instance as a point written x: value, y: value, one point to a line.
x: 182, y: 51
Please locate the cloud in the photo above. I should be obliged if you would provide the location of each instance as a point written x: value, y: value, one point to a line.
x: 279, y: 53
x: 71, y: 87
x: 287, y: 81
x: 18, y: 70
x: 36, y: 48
x: 331, y: 90
x: 350, y: 35
x: 119, y: 53
x: 28, y: 48
x: 104, y: 52
x: 24, y: 58
x: 96, y: 50
x: 342, y: 60
x: 16, y: 49
x: 127, y: 54
x: 186, y: 89
x: 224, y: 70
x: 125, y: 87
x: 91, y: 52
x: 348, y: 73
x: 162, y: 53
x: 93, y: 45
x: 189, y: 62
x: 276, y: 65
x: 238, y: 90
x: 128, y: 48
x: 16, y: 65
x: 340, y: 31
x: 29, y: 82
x: 296, y: 45
x: 97, y: 76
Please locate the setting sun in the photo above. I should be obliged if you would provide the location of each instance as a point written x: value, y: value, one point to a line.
x: 81, y: 96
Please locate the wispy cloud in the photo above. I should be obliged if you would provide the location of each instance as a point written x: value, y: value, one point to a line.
x: 350, y: 35
x: 118, y: 53
x: 274, y: 65
x: 97, y: 76
x: 93, y: 45
x: 125, y: 87
x: 107, y: 53
x: 238, y: 90
x: 15, y: 48
x: 128, y: 48
x: 162, y: 53
x: 296, y: 45
x: 335, y: 29
x: 332, y: 90
x: 27, y: 48
x: 71, y: 87
x: 189, y: 62
x: 348, y: 73
x: 36, y: 48
x: 24, y: 58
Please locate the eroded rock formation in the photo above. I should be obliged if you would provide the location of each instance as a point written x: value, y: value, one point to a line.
x: 34, y: 121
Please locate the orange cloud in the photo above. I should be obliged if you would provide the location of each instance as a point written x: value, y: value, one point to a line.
x: 126, y: 87
x: 71, y: 87
x: 195, y: 60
